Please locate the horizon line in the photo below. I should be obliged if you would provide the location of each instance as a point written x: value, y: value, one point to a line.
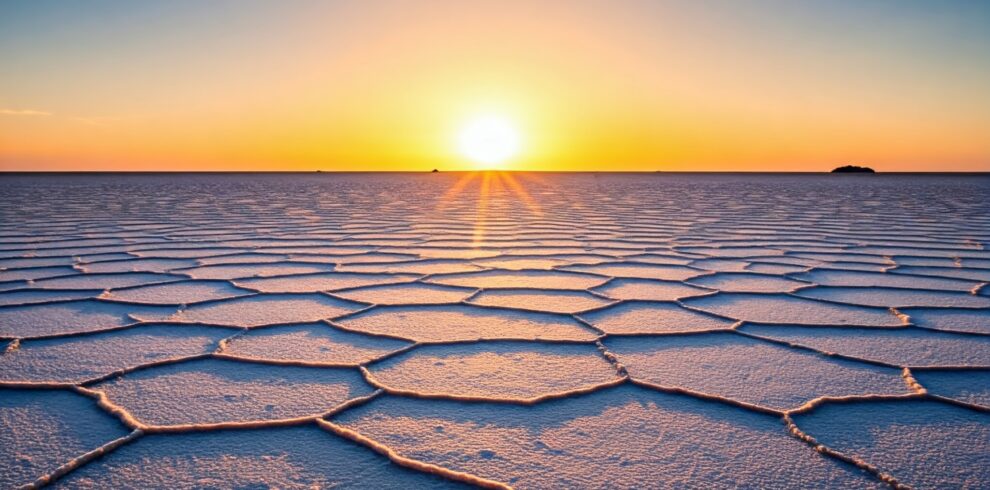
x: 49, y: 172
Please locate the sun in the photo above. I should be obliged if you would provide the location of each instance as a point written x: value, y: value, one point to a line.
x: 489, y: 141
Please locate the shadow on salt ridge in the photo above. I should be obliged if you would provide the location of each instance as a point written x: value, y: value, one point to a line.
x: 238, y: 271
x: 41, y: 430
x: 106, y: 281
x: 614, y: 438
x: 540, y: 300
x: 644, y: 317
x: 70, y: 317
x: 642, y: 271
x: 217, y: 390
x: 974, y: 321
x: 894, y: 297
x: 899, y: 347
x: 748, y: 370
x: 298, y: 458
x: 329, y: 281
x: 413, y: 293
x: 268, y: 309
x: 922, y: 443
x: 520, y: 279
x: 76, y: 359
x: 746, y: 282
x: 779, y: 308
x: 317, y: 343
x: 502, y: 370
x: 831, y: 277
x: 649, y: 290
x: 430, y: 266
x: 38, y: 296
x: 436, y: 323
x: 176, y: 293
x: 970, y: 386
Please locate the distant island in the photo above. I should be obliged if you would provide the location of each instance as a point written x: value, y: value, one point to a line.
x: 853, y: 169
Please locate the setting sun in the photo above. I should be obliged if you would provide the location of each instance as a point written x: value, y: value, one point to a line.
x: 489, y: 140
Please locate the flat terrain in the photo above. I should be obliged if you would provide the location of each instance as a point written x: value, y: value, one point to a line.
x: 495, y: 329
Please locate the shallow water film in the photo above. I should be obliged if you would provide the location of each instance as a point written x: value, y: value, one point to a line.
x: 495, y: 330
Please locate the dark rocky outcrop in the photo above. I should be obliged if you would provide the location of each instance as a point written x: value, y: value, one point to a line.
x: 853, y: 169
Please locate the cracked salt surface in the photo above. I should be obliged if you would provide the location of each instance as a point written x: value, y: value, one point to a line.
x: 663, y: 331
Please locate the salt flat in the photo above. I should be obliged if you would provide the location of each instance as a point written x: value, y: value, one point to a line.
x: 496, y: 330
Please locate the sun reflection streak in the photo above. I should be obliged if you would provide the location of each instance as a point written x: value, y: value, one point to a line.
x: 519, y: 191
x: 456, y: 189
x: 494, y: 185
x: 481, y: 214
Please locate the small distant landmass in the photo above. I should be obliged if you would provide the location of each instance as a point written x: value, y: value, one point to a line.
x: 435, y: 171
x: 853, y: 169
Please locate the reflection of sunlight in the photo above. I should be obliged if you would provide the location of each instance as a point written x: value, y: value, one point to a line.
x: 481, y: 215
x: 456, y: 189
x: 520, y: 191
x: 501, y: 187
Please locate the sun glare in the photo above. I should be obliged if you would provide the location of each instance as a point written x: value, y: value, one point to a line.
x: 489, y: 141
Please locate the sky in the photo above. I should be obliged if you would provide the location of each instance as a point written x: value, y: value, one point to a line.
x: 796, y: 85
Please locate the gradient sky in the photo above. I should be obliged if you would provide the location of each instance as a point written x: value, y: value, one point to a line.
x: 604, y: 85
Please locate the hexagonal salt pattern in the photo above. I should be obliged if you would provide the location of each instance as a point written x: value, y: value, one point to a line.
x: 254, y: 311
x: 565, y: 330
x: 316, y: 343
x: 214, y: 391
x: 921, y: 443
x: 299, y: 458
x: 541, y: 300
x: 496, y: 370
x: 766, y: 308
x: 895, y: 298
x: 407, y: 294
x: 176, y: 293
x: 39, y: 320
x: 973, y: 321
x: 649, y: 290
x: 642, y: 317
x: 321, y: 282
x: 81, y: 358
x: 898, y: 347
x: 965, y: 385
x: 461, y: 322
x: 741, y: 282
x: 519, y: 279
x: 740, y: 368
x: 41, y: 430
x: 630, y: 436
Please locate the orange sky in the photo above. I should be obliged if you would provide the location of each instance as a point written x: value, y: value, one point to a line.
x: 791, y: 86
